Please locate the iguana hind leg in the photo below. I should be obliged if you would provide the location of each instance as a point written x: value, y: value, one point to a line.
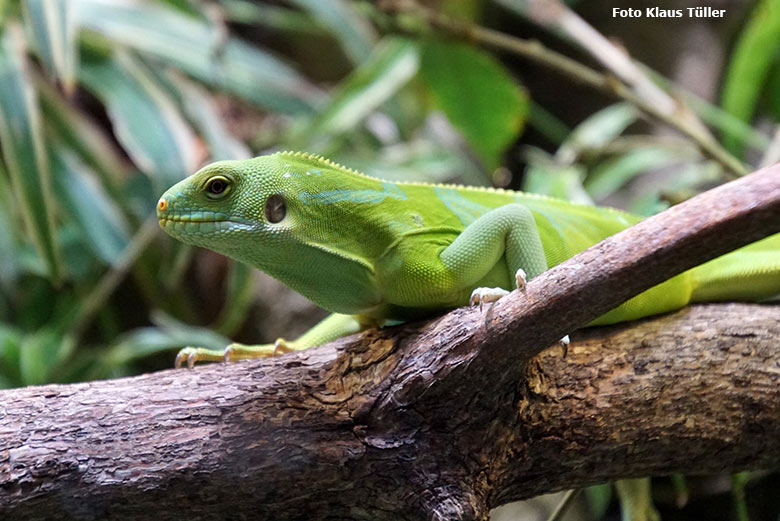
x: 330, y: 328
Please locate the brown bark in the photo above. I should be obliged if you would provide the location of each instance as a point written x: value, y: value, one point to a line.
x: 692, y: 392
x: 440, y: 421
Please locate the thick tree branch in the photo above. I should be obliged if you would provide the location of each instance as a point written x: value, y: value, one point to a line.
x: 697, y: 388
x: 694, y: 392
x: 439, y: 421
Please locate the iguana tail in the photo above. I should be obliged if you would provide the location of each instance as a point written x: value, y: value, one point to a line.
x: 751, y: 273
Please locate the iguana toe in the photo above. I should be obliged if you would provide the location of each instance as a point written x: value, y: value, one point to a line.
x: 236, y: 351
x: 282, y: 346
x: 192, y: 355
x: 483, y: 296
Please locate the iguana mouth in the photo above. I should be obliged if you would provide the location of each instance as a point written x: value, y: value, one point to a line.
x: 200, y: 217
x: 168, y: 214
x: 201, y: 222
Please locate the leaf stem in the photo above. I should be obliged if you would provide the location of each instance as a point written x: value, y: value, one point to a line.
x: 111, y: 279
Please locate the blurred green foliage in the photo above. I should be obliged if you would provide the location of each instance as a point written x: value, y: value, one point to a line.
x: 754, y: 57
x: 105, y: 103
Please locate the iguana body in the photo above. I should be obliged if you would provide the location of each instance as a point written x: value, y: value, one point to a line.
x: 371, y: 250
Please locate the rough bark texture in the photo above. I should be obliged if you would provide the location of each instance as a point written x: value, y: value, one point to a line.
x: 693, y: 392
x: 688, y: 393
x: 441, y: 421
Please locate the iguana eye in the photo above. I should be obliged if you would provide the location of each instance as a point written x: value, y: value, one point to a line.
x: 275, y: 208
x: 217, y: 186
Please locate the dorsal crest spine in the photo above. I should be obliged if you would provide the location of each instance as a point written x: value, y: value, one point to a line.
x: 323, y: 160
x: 489, y: 189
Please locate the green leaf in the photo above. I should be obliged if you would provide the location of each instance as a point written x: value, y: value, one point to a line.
x: 636, y: 500
x: 547, y: 176
x: 749, y: 66
x: 9, y: 263
x: 738, y: 483
x: 610, y: 175
x: 97, y: 215
x: 53, y: 27
x: 10, y: 353
x: 596, y: 131
x: 713, y: 115
x: 477, y: 94
x: 420, y: 159
x: 598, y: 499
x: 687, y: 178
x: 547, y: 124
x: 238, y: 300
x: 353, y: 32
x: 71, y: 125
x: 151, y: 340
x: 41, y: 352
x: 200, y: 50
x: 23, y: 149
x: 389, y: 68
x: 145, y: 118
x: 272, y: 16
x: 200, y: 108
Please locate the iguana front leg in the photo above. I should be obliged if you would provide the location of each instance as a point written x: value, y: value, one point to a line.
x: 330, y: 328
x: 509, y: 231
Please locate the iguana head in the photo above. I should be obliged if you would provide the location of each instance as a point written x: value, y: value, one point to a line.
x: 284, y: 214
x: 224, y: 205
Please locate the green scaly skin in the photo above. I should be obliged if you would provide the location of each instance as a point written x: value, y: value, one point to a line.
x: 371, y: 251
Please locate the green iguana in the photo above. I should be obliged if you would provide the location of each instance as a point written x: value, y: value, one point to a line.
x: 372, y: 251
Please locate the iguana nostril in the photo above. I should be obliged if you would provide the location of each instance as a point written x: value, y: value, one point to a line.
x: 162, y: 205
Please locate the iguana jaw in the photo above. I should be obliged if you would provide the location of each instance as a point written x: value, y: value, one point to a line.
x: 201, y: 222
x: 180, y: 223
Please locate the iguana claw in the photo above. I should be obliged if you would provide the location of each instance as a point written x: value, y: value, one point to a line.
x: 180, y: 357
x: 520, y: 279
x: 187, y: 354
x: 282, y: 346
x: 565, y: 341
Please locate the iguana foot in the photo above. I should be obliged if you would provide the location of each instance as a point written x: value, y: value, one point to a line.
x: 486, y: 295
x: 197, y: 354
x: 237, y: 351
x: 483, y: 296
x: 233, y: 352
